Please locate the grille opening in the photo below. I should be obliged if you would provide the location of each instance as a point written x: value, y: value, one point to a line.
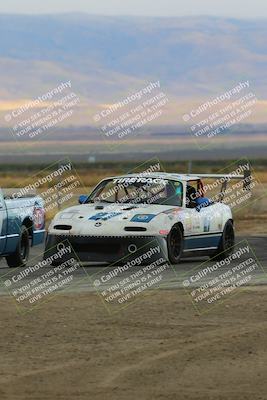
x: 63, y: 227
x: 107, y: 248
x: 135, y: 229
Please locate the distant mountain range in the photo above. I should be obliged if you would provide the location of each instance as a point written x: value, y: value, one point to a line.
x: 107, y: 58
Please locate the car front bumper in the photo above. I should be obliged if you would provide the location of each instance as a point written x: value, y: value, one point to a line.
x: 108, y: 249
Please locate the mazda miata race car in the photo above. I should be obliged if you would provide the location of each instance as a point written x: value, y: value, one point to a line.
x: 124, y: 213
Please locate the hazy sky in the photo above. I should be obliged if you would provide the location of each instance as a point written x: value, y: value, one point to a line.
x: 234, y: 8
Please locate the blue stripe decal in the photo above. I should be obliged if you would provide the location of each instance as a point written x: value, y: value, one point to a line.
x: 204, y: 241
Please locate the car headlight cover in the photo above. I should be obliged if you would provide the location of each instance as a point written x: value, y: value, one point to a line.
x: 143, y: 218
x: 67, y: 215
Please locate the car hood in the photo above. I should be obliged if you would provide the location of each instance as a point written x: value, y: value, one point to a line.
x: 107, y: 219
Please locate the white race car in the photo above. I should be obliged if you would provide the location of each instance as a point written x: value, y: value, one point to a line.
x: 124, y: 213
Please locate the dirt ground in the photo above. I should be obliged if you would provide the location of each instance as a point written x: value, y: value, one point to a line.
x: 251, y: 226
x: 158, y: 348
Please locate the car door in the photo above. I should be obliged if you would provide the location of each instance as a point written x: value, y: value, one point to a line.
x: 202, y: 224
x: 193, y: 222
x: 2, y: 224
x: 211, y: 219
x: 193, y: 219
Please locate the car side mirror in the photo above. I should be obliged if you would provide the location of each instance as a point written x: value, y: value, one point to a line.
x: 82, y: 199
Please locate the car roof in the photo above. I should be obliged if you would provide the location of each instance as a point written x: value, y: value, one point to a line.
x: 162, y: 175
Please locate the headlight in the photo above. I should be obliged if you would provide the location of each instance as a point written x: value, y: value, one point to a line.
x: 143, y: 217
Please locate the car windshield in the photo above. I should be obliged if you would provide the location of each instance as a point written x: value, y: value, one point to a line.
x: 138, y: 190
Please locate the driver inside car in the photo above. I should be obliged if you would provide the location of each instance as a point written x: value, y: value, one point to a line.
x: 194, y: 200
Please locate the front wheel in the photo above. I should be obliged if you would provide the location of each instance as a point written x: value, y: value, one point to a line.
x: 227, y: 242
x: 175, y: 244
x: 20, y: 257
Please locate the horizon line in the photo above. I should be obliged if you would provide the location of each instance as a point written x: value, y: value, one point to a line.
x: 84, y: 13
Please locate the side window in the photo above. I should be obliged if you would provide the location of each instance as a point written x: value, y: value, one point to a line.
x: 174, y: 194
x: 191, y: 194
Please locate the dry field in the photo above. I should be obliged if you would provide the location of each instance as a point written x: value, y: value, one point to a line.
x: 158, y: 348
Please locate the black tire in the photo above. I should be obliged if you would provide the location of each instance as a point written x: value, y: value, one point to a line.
x: 20, y: 257
x: 227, y: 242
x: 175, y: 243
